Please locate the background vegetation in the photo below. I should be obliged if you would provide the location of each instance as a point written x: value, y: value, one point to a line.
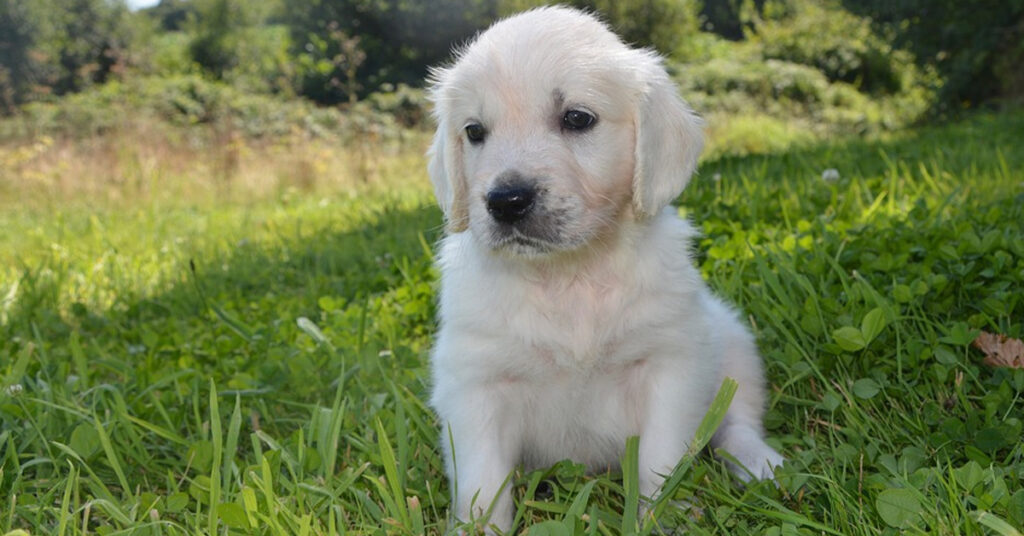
x: 861, y: 67
x: 216, y: 290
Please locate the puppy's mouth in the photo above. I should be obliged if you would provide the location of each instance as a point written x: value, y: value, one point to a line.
x: 515, y: 241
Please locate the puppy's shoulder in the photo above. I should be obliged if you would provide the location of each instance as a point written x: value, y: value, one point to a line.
x: 666, y: 242
x: 668, y: 226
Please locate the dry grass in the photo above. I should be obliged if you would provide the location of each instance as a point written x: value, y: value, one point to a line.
x: 147, y: 161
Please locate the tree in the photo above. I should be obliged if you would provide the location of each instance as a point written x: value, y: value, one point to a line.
x: 399, y: 38
x: 59, y: 46
x: 172, y: 15
x: 977, y: 46
x: 235, y: 41
x: 16, y: 68
x: 727, y: 18
x: 664, y: 25
x: 90, y: 42
x: 216, y: 27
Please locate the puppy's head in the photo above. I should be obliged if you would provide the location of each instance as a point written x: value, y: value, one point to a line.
x: 551, y: 131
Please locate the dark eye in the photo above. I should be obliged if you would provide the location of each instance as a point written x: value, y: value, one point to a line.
x: 577, y: 120
x: 475, y: 133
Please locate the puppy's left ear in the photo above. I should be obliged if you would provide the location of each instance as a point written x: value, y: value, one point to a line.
x: 669, y: 139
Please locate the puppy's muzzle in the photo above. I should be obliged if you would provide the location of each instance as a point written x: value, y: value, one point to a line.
x: 511, y: 203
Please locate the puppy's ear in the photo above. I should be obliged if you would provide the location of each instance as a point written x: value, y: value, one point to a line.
x: 445, y: 167
x: 669, y: 139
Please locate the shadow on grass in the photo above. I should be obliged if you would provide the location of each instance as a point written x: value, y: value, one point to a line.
x: 262, y: 285
x: 236, y: 308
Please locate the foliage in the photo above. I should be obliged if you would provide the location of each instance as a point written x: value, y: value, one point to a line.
x: 167, y: 54
x: 218, y: 25
x: 192, y: 100
x: 399, y: 39
x: 172, y: 15
x: 976, y: 46
x: 840, y: 45
x: 60, y: 47
x: 16, y: 68
x: 731, y: 19
x: 338, y: 51
x: 407, y: 105
x: 665, y: 25
x: 804, y: 72
x: 260, y: 366
x: 230, y: 40
x: 795, y: 103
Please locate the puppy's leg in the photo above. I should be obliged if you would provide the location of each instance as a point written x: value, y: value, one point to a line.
x: 670, y: 421
x: 480, y: 452
x: 741, y: 433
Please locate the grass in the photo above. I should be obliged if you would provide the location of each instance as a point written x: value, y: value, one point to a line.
x: 195, y: 364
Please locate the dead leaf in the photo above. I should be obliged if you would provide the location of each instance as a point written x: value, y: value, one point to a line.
x: 1000, y: 350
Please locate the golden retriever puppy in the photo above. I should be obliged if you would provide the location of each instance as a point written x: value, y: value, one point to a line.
x: 571, y: 315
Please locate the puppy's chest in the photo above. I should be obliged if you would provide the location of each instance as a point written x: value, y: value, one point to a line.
x: 573, y: 326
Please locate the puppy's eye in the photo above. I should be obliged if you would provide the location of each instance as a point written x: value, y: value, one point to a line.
x: 577, y: 120
x: 475, y: 133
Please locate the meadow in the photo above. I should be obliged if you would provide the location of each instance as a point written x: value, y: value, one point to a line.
x: 190, y: 347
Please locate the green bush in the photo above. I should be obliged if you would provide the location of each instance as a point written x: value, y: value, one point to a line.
x: 977, y: 47
x: 839, y: 44
x: 345, y: 47
x: 745, y: 85
x: 745, y: 134
x: 407, y: 105
x: 766, y: 82
x: 168, y: 54
x: 665, y: 25
x: 178, y: 100
x: 54, y: 47
x: 191, y: 100
x: 805, y: 69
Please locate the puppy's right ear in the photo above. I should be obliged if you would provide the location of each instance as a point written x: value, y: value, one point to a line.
x: 445, y: 166
x: 669, y: 139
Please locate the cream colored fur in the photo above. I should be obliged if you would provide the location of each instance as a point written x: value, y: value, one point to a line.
x: 599, y: 328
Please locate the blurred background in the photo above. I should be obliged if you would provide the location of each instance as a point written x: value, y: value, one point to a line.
x: 203, y: 94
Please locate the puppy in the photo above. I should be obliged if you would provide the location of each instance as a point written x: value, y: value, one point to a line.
x: 571, y: 315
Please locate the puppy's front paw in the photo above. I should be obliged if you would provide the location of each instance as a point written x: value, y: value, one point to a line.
x: 763, y: 462
x: 752, y: 458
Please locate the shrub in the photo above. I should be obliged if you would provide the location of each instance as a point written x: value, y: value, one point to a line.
x: 748, y: 86
x: 975, y: 46
x: 804, y: 70
x: 59, y: 47
x: 396, y: 42
x: 191, y: 100
x: 754, y: 133
x: 839, y: 44
x: 665, y: 25
x: 407, y: 105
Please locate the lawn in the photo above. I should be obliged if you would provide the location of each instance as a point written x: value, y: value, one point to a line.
x: 221, y: 364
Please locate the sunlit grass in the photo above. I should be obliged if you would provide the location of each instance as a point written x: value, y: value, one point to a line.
x: 253, y: 360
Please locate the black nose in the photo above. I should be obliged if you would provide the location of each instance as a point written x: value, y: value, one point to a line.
x: 510, y: 203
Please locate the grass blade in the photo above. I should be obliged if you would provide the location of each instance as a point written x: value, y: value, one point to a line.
x: 112, y: 458
x: 217, y: 438
x: 631, y: 486
x: 387, y: 456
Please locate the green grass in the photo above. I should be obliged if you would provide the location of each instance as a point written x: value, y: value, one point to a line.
x: 200, y: 367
